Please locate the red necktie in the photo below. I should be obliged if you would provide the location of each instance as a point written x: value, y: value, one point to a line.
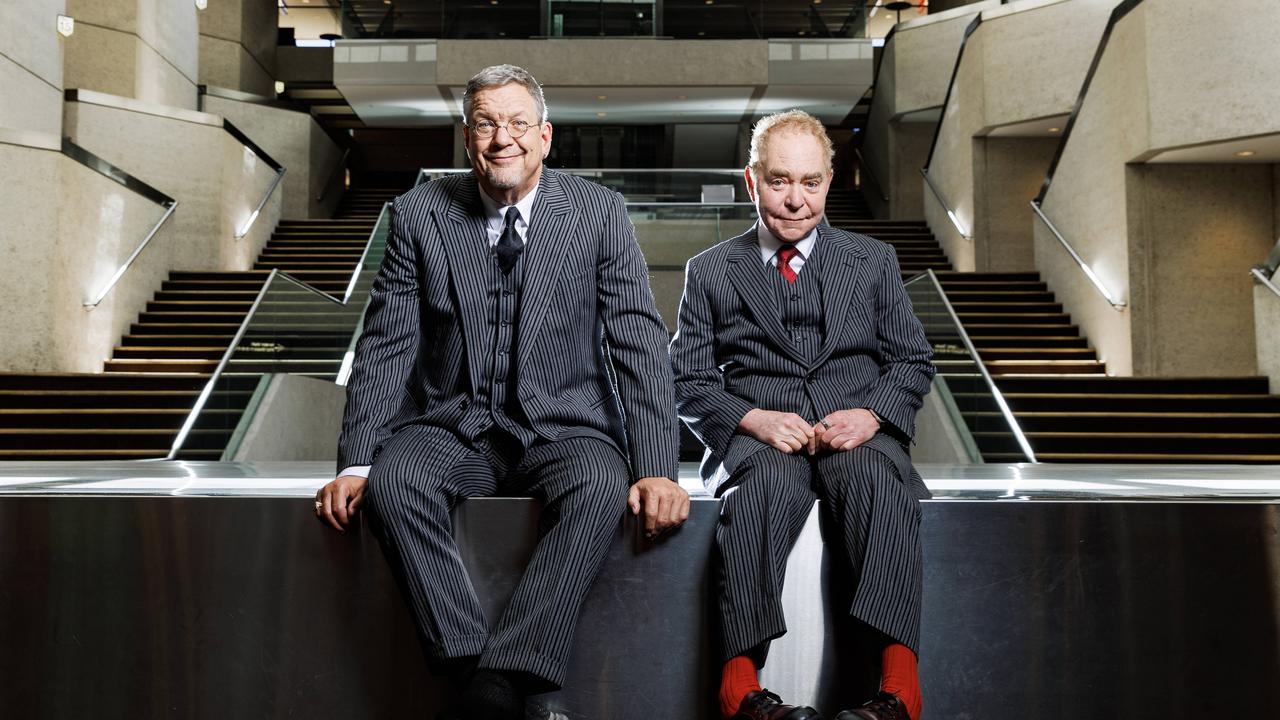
x: 785, y: 253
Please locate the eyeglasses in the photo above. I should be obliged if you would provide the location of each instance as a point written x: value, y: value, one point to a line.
x: 515, y: 128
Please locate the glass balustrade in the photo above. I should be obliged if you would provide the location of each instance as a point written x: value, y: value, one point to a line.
x: 971, y: 389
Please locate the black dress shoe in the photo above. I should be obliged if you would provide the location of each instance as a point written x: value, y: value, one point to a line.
x: 764, y: 705
x: 885, y: 706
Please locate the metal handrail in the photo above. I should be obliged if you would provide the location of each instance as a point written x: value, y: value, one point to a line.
x: 119, y: 273
x: 1262, y: 279
x: 217, y: 372
x: 198, y: 408
x: 355, y: 274
x: 244, y: 229
x: 1117, y: 305
x: 977, y: 360
x: 951, y: 214
x: 862, y: 165
x: 342, y: 163
x: 115, y: 174
x: 1272, y: 262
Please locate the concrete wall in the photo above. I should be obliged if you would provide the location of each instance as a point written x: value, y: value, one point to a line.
x: 295, y: 141
x: 915, y: 69
x: 31, y: 65
x: 297, y: 418
x: 1026, y: 61
x: 217, y: 180
x: 1194, y: 232
x: 143, y: 49
x: 67, y: 229
x: 1171, y: 240
x: 65, y: 255
x: 238, y: 46
x: 1007, y: 174
x: 1266, y: 314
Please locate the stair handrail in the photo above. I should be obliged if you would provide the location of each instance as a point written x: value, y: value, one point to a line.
x: 977, y: 360
x: 951, y: 214
x: 1265, y: 273
x: 253, y: 147
x: 342, y: 163
x: 230, y: 352
x: 97, y: 164
x: 864, y: 167
x: 1117, y: 305
x: 364, y: 254
x: 218, y: 371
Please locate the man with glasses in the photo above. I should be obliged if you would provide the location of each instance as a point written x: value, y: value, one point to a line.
x: 511, y: 347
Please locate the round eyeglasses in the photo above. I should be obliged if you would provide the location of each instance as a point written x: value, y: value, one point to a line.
x: 515, y: 128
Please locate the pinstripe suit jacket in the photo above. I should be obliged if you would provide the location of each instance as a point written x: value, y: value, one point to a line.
x: 589, y: 341
x: 731, y: 352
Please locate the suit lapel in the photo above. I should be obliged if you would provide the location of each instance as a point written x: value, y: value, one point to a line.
x: 748, y: 277
x: 462, y: 232
x: 552, y: 225
x: 838, y: 269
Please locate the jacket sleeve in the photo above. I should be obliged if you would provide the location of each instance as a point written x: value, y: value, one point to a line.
x: 710, y: 411
x: 906, y: 371
x: 636, y: 340
x: 386, y: 352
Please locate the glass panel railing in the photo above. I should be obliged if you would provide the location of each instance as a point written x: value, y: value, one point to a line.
x: 684, y: 19
x: 668, y: 185
x: 290, y: 328
x: 991, y: 423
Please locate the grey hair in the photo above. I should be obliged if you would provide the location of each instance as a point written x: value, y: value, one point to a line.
x: 497, y: 76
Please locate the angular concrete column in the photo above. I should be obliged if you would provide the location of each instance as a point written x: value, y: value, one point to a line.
x: 141, y: 49
x: 1018, y: 75
x: 911, y: 85
x: 31, y: 66
x: 1153, y: 194
x: 238, y: 46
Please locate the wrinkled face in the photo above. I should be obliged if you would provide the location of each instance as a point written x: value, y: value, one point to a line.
x: 504, y: 165
x: 791, y: 192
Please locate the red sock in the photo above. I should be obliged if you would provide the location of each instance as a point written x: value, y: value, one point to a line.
x: 898, y: 675
x: 739, y: 678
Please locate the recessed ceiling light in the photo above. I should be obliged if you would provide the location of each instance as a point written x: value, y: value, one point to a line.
x: 1246, y: 153
x: 1055, y: 129
x: 602, y: 97
x: 701, y: 33
x: 711, y: 2
x: 600, y: 114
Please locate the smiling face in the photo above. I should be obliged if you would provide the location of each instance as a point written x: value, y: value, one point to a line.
x: 506, y: 167
x: 790, y: 188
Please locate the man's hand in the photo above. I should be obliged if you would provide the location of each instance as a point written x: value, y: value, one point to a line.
x: 785, y: 431
x: 337, y: 502
x: 665, y: 504
x: 846, y: 429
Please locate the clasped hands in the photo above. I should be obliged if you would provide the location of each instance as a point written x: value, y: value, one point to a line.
x: 662, y: 504
x: 840, y: 431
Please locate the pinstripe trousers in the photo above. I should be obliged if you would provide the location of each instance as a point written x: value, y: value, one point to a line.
x: 422, y: 473
x: 868, y: 512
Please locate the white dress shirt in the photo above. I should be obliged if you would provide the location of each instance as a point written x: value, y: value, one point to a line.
x: 770, y: 245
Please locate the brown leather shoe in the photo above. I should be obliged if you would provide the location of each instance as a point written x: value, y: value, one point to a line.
x: 764, y: 705
x: 885, y: 706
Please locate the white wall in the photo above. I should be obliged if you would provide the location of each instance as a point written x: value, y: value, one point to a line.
x: 143, y: 49
x: 31, y: 65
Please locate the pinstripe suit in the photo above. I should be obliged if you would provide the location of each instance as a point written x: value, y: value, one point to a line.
x: 732, y: 353
x: 591, y: 385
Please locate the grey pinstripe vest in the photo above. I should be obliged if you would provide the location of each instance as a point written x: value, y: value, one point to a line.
x: 800, y: 309
x: 496, y: 403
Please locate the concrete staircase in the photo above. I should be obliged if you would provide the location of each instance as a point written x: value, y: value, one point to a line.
x: 135, y: 408
x: 1056, y: 386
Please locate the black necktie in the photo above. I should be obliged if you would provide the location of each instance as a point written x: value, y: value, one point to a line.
x: 509, y: 243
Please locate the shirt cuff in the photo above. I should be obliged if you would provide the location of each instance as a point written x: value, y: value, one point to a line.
x: 357, y: 470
